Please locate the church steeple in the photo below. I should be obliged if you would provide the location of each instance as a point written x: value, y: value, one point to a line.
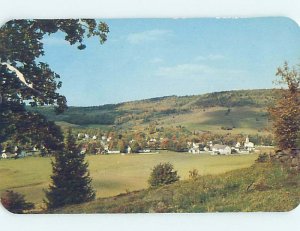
x: 247, y: 140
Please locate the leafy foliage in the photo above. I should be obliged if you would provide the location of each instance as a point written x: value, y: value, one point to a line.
x: 21, y: 44
x: 15, y: 202
x: 286, y: 111
x: 71, y: 182
x: 163, y: 174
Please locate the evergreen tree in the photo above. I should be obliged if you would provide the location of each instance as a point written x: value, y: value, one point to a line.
x: 15, y: 202
x: 71, y: 182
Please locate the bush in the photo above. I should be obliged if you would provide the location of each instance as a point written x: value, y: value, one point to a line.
x: 15, y: 202
x: 193, y: 174
x: 262, y: 158
x: 163, y: 174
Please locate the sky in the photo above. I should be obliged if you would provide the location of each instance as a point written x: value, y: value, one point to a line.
x: 146, y: 58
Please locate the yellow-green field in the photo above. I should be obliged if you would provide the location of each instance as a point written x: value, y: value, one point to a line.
x: 246, y: 120
x: 113, y: 174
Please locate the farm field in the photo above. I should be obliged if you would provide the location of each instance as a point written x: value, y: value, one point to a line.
x: 113, y: 174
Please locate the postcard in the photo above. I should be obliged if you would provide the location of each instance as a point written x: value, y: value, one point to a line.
x: 149, y: 115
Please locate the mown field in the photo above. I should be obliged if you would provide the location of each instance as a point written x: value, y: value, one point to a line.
x: 113, y: 174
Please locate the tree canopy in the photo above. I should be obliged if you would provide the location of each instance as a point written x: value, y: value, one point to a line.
x: 163, y: 174
x: 21, y: 44
x: 286, y: 110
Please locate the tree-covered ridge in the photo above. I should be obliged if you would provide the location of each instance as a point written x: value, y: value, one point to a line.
x: 150, y: 109
x: 257, y: 98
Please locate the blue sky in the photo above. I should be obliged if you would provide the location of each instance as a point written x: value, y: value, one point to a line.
x: 146, y: 58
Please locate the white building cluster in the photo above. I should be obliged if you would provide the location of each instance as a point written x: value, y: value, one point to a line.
x: 221, y: 149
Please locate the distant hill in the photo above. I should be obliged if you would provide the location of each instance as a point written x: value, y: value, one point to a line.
x: 239, y: 109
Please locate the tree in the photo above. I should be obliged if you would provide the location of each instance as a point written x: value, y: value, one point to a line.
x: 286, y: 111
x: 15, y: 202
x: 135, y: 147
x: 21, y: 44
x: 163, y: 174
x: 122, y: 146
x: 71, y: 182
x: 180, y: 145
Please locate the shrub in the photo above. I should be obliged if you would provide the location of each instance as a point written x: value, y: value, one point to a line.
x: 261, y: 184
x: 193, y: 174
x: 262, y: 158
x: 163, y: 174
x: 15, y: 202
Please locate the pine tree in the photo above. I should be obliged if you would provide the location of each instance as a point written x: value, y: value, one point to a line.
x: 71, y: 182
x: 15, y: 202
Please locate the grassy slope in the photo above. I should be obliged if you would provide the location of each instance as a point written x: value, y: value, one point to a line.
x: 245, y: 120
x: 112, y: 174
x: 203, y: 112
x: 262, y: 187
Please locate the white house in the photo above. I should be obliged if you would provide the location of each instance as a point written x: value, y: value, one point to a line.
x: 4, y: 155
x: 238, y: 145
x: 249, y: 145
x: 113, y: 152
x: 129, y: 149
x: 195, y: 149
x: 221, y: 149
x: 144, y: 151
x: 105, y: 147
x: 94, y: 137
x: 206, y: 149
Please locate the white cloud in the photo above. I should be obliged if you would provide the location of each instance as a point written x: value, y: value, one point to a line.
x: 209, y: 57
x: 148, y: 36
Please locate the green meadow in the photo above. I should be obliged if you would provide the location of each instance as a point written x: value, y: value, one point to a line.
x: 261, y: 187
x: 113, y: 174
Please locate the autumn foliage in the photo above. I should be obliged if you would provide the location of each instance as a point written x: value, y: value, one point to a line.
x: 286, y: 111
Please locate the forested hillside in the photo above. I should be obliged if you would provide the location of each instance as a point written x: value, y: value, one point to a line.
x: 228, y: 109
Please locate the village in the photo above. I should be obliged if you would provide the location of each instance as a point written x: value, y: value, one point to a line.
x: 92, y: 144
